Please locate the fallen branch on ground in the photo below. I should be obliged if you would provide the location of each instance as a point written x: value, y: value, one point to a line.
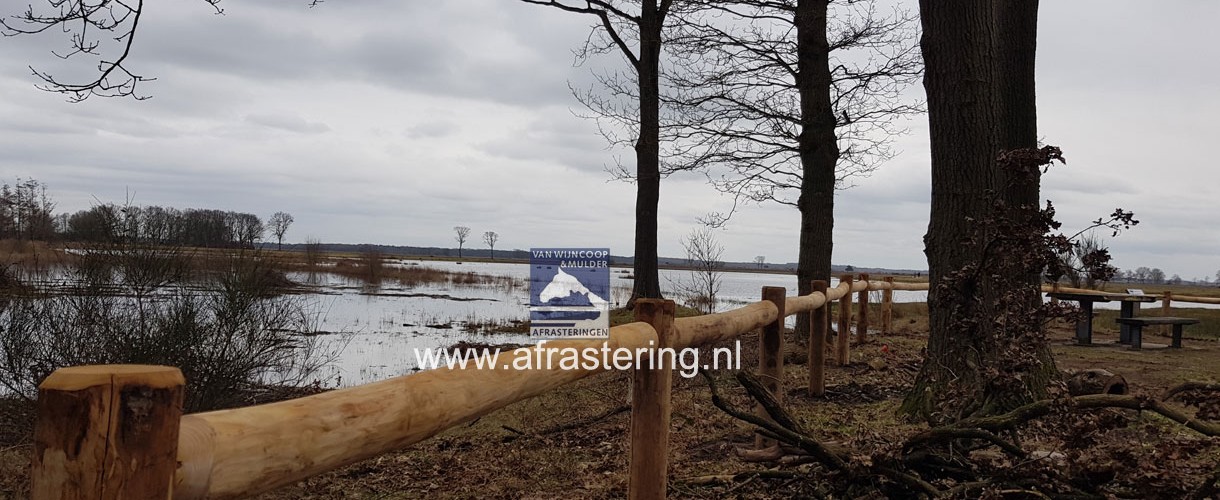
x: 810, y: 445
x: 942, y: 434
x: 566, y: 426
x: 715, y: 479
x: 1041, y: 408
x: 1190, y: 386
x: 860, y: 467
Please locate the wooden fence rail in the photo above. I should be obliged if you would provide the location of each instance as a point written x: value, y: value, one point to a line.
x: 108, y: 431
x: 1173, y: 297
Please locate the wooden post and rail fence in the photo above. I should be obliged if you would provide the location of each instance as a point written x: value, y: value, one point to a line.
x: 117, y: 431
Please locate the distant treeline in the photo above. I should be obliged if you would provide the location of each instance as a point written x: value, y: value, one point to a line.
x: 27, y: 213
x: 524, y: 255
x: 199, y: 227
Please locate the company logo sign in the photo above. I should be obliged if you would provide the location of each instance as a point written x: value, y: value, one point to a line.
x: 569, y: 292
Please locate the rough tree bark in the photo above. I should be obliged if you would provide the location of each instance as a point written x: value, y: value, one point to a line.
x: 819, y: 151
x: 648, y: 153
x: 979, y: 76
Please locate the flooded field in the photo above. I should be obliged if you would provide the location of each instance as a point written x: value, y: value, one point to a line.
x: 372, y: 328
x: 385, y: 324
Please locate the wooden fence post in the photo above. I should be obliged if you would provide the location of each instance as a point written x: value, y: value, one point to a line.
x: 843, y: 354
x: 107, y: 432
x: 887, y: 306
x: 1166, y: 302
x: 650, y: 408
x: 862, y: 319
x: 818, y: 327
x: 771, y: 356
x: 830, y: 316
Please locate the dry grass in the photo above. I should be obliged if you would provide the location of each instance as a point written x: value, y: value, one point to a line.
x: 31, y: 255
x: 416, y: 275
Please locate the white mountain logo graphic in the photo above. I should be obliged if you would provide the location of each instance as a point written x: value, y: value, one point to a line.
x: 565, y: 289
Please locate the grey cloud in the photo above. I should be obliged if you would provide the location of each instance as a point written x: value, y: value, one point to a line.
x: 431, y: 129
x: 412, y: 49
x: 556, y: 138
x: 288, y: 122
x: 447, y: 112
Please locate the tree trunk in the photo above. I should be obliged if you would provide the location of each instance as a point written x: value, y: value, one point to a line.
x: 819, y: 152
x: 979, y: 83
x: 647, y: 155
x: 1016, y: 46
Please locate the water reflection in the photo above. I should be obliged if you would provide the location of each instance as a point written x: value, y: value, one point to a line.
x: 388, y: 321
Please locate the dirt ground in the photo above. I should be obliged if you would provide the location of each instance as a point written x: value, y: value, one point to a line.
x: 514, y: 453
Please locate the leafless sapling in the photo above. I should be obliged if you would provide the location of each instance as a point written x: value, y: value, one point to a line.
x: 461, y: 233
x: 490, y: 238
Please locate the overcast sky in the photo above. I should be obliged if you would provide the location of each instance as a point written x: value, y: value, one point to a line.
x: 393, y: 121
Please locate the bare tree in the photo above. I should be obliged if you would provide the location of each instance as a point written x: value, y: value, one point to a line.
x: 760, y: 261
x: 279, y: 222
x: 248, y: 229
x: 703, y: 254
x: 1156, y: 276
x: 637, y: 37
x: 102, y: 29
x: 460, y: 234
x: 786, y: 101
x: 490, y: 238
x: 1141, y: 274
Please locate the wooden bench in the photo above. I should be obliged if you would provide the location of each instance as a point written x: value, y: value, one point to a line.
x: 1137, y: 325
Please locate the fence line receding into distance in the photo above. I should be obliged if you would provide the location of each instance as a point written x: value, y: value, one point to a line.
x: 117, y: 431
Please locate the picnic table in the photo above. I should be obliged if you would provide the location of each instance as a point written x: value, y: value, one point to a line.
x: 1131, y: 304
x: 1137, y: 325
x: 1084, y: 325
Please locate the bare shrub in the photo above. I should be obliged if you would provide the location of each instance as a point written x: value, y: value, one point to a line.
x: 227, y: 329
x: 313, y: 253
x: 703, y: 255
x: 372, y: 263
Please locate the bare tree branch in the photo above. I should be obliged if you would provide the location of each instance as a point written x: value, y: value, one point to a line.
x: 87, y: 22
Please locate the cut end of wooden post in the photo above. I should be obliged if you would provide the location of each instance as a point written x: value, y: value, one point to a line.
x: 107, y: 432
x: 75, y: 378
